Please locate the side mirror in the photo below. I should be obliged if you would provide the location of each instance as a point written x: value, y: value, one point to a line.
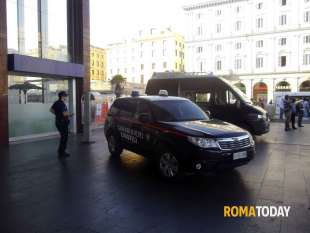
x: 209, y: 114
x: 144, y: 118
x: 238, y: 104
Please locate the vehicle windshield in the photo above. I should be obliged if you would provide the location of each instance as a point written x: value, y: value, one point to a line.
x: 239, y: 92
x: 177, y: 110
x: 242, y: 95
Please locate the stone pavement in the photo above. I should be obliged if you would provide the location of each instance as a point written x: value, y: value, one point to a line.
x: 92, y: 193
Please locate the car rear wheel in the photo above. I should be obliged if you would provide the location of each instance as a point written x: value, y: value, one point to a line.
x: 168, y: 165
x: 114, y: 145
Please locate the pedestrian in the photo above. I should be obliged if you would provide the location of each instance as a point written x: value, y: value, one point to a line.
x: 287, y: 112
x: 261, y: 103
x: 270, y: 109
x: 300, y: 112
x: 281, y: 105
x: 306, y: 108
x: 62, y: 115
x: 293, y: 112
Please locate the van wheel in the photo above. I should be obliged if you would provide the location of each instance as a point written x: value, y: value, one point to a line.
x: 168, y: 165
x: 114, y: 145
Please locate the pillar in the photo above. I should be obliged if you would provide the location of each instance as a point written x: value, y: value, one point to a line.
x: 4, y: 122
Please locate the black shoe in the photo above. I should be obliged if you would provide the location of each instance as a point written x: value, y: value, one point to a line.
x: 301, y: 126
x: 63, y: 155
x: 294, y: 128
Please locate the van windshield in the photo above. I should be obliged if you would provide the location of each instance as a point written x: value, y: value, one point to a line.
x: 239, y: 92
x: 177, y: 110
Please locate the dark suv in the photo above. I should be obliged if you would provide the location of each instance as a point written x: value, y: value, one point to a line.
x: 177, y: 134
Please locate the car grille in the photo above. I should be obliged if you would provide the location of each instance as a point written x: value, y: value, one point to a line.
x: 234, y: 143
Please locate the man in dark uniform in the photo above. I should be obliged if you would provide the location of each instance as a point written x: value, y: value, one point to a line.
x: 59, y: 108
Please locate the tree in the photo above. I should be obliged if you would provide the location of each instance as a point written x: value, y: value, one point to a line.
x: 118, y: 82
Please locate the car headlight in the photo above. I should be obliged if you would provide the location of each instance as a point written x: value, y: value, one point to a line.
x: 203, y: 142
x: 260, y: 116
x: 251, y: 140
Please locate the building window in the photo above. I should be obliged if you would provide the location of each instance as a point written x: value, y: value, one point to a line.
x: 282, y: 61
x: 282, y: 41
x: 165, y: 65
x: 199, y: 49
x: 259, y: 62
x: 153, y: 53
x: 282, y: 20
x: 218, y: 12
x: 142, y: 79
x: 259, y: 5
x: 259, y: 22
x: 283, y: 2
x: 306, y: 60
x: 153, y: 66
x: 307, y: 39
x: 238, y: 26
x: 199, y: 32
x: 237, y: 9
x: 164, y: 52
x: 238, y: 45
x: 218, y: 28
x: 218, y: 47
x: 307, y: 17
x: 198, y: 16
x: 176, y: 66
x: 142, y: 66
x: 259, y: 43
x: 218, y: 65
x: 238, y: 63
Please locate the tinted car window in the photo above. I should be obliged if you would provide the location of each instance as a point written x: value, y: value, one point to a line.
x: 127, y: 108
x: 177, y: 110
x: 143, y: 108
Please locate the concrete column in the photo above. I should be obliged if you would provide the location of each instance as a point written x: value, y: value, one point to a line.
x: 79, y: 51
x: 4, y: 122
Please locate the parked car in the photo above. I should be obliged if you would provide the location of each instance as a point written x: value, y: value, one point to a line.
x: 177, y: 134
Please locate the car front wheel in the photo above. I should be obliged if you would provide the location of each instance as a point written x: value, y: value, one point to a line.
x: 114, y: 146
x: 168, y: 165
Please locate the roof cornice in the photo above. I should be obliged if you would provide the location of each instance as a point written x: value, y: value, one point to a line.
x: 211, y: 3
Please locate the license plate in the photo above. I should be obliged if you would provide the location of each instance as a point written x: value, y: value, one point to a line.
x: 239, y: 155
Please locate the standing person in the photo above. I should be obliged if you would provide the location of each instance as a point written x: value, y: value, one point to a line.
x: 293, y: 113
x: 287, y: 112
x: 300, y: 112
x: 281, y: 105
x: 306, y: 108
x: 60, y: 110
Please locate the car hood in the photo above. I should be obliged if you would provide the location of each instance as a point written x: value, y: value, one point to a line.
x: 208, y: 128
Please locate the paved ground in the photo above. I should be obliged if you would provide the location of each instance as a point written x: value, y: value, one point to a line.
x: 91, y: 193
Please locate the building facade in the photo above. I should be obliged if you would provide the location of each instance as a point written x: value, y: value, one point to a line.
x: 44, y: 49
x: 262, y: 45
x: 150, y: 51
x: 98, y: 69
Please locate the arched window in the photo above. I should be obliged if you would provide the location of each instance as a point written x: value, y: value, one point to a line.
x: 305, y: 86
x: 283, y: 86
x: 260, y: 92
